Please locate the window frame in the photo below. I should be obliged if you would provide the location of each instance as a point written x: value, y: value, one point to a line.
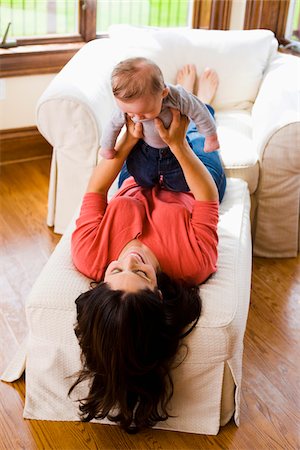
x: 289, y: 44
x: 272, y: 15
x: 45, y: 54
x: 267, y: 14
x: 218, y: 11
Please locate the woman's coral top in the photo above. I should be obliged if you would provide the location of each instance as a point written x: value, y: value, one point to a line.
x: 180, y: 231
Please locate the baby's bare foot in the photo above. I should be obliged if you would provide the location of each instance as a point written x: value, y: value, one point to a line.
x: 207, y: 85
x: 186, y: 77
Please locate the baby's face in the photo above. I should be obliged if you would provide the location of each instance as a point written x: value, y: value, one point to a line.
x: 144, y: 108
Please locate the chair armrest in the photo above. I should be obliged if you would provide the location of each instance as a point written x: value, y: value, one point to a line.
x: 78, y: 97
x: 278, y: 100
x: 70, y: 115
x: 276, y: 135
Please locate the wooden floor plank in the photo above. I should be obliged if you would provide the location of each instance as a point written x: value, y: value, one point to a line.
x: 271, y: 382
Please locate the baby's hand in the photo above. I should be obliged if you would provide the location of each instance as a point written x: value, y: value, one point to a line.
x: 107, y: 153
x: 211, y: 143
x: 135, y: 129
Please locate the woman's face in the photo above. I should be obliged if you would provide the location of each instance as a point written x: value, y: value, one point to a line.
x: 131, y: 272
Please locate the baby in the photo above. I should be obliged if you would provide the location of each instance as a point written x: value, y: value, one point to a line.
x: 141, y: 93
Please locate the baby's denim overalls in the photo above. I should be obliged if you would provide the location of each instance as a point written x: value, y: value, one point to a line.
x: 150, y: 166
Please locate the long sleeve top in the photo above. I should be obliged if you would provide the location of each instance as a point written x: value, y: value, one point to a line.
x: 179, y: 230
x: 178, y: 98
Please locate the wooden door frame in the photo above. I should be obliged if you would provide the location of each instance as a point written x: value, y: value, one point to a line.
x: 212, y: 14
x: 268, y: 14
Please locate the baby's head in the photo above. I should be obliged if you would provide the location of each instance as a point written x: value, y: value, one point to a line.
x: 139, y: 88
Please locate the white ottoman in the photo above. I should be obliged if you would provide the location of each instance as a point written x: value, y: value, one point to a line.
x: 207, y: 383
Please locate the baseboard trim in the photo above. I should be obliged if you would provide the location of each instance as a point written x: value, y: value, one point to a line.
x: 22, y: 144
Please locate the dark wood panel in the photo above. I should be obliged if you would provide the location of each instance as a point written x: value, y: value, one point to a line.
x: 267, y: 14
x: 88, y: 19
x: 36, y: 59
x: 220, y: 14
x: 201, y: 13
x: 211, y: 14
x: 22, y: 143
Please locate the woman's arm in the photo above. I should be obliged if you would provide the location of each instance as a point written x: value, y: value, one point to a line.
x: 197, y: 176
x: 107, y: 170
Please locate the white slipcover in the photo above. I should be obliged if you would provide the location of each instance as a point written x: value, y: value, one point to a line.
x: 207, y: 383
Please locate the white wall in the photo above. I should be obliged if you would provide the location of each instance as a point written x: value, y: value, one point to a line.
x: 237, y: 14
x: 18, y: 98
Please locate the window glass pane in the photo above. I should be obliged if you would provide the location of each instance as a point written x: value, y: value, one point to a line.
x: 160, y: 13
x: 39, y: 17
x: 296, y: 23
x: 293, y: 22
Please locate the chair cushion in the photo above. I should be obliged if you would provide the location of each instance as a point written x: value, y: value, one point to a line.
x: 237, y: 151
x: 240, y: 57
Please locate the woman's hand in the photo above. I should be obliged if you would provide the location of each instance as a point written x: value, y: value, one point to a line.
x: 128, y: 138
x: 174, y: 136
x: 107, y: 170
x: 197, y: 176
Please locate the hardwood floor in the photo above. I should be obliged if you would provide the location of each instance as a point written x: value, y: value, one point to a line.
x: 271, y: 382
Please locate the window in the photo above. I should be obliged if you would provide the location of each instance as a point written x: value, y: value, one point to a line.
x: 49, y: 32
x: 48, y: 21
x: 160, y: 13
x: 40, y: 17
x: 65, y: 24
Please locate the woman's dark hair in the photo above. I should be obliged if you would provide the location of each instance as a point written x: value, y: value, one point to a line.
x: 128, y: 343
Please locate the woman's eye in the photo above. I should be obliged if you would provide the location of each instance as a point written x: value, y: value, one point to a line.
x: 142, y: 272
x: 115, y: 271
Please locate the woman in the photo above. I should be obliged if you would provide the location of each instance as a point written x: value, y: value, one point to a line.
x: 149, y: 249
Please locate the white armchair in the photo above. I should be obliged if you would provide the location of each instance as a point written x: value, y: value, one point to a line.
x: 255, y: 145
x: 257, y: 112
